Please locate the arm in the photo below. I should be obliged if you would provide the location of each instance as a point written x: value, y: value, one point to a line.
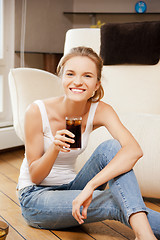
x: 123, y: 161
x: 40, y: 163
x: 128, y: 155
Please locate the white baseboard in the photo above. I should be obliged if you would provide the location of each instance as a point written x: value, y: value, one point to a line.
x: 8, y: 138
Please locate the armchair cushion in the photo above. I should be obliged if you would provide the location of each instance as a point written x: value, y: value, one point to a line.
x: 146, y: 129
x: 132, y: 43
x: 132, y: 88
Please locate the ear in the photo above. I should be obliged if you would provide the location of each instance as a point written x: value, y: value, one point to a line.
x: 97, y: 85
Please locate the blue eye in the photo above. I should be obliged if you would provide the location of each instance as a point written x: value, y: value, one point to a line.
x: 69, y: 74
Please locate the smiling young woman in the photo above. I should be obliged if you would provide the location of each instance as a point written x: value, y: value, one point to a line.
x: 51, y: 194
x: 91, y: 55
x: 79, y: 78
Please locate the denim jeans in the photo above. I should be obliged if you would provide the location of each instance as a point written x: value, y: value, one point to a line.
x: 50, y: 207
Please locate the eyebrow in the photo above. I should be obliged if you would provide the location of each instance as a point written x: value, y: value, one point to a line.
x: 70, y: 70
x: 89, y: 73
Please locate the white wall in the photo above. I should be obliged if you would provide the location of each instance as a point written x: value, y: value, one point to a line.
x: 124, y: 6
x: 117, y: 11
x: 45, y: 25
x: 8, y: 136
x: 8, y: 61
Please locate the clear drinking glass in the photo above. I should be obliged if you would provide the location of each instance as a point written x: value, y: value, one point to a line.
x: 74, y: 126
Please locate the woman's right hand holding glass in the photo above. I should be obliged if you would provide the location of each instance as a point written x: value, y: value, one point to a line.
x: 62, y: 140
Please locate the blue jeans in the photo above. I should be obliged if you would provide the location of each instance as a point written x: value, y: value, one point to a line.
x: 50, y: 207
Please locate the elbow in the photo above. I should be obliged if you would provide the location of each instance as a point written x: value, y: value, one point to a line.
x: 139, y: 154
x: 35, y: 180
x: 35, y: 176
x: 136, y: 153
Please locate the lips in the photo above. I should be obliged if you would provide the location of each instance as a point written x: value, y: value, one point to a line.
x: 77, y: 90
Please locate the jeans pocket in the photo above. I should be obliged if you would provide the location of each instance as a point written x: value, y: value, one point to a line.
x: 23, y: 193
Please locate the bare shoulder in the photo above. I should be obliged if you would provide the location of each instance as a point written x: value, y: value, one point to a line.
x: 33, y: 121
x: 104, y: 109
x: 32, y: 111
x: 104, y: 114
x: 33, y: 130
x: 102, y: 106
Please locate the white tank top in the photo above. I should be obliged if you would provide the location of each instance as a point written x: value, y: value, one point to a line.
x: 62, y: 171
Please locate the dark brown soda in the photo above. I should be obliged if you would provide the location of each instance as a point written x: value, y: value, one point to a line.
x: 74, y: 126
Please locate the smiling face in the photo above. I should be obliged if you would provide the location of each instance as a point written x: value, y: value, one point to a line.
x: 79, y: 78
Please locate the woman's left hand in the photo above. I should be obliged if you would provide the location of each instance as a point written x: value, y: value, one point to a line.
x: 83, y: 199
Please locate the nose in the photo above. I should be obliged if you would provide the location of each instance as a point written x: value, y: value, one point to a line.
x: 78, y: 81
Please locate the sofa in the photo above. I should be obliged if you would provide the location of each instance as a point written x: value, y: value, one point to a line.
x: 133, y: 90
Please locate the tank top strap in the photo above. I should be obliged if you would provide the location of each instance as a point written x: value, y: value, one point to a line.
x: 44, y: 116
x: 89, y: 125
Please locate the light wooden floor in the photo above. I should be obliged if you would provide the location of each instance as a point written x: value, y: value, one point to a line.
x: 10, y: 211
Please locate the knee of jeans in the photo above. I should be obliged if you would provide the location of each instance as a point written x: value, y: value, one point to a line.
x: 110, y: 147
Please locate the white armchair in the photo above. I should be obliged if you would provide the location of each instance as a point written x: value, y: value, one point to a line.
x: 27, y: 85
x: 132, y: 90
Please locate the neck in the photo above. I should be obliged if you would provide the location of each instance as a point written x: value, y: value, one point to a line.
x: 75, y: 109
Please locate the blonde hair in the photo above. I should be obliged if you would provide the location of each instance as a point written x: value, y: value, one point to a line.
x: 85, y: 52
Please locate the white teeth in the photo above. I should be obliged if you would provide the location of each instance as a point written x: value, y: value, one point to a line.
x: 76, y: 90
